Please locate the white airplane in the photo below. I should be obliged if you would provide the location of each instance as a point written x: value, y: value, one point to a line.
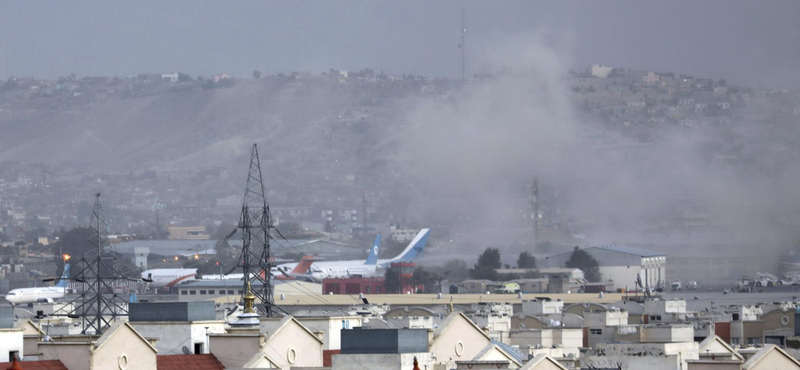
x: 41, y: 294
x: 368, y: 268
x: 167, y: 278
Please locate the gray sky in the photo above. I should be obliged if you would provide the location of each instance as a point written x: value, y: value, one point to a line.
x: 749, y: 42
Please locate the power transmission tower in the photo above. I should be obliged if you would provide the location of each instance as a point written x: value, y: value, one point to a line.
x: 255, y: 224
x: 462, y: 45
x: 99, y: 305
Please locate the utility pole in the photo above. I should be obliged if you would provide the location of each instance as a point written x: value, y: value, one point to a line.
x: 8, y: 56
x: 462, y: 45
x: 255, y: 224
x: 364, y: 206
x: 535, y: 206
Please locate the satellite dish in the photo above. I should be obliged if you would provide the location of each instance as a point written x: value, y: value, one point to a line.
x: 639, y: 280
x: 186, y: 350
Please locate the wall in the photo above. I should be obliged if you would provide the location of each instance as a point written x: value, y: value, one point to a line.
x: 332, y: 328
x: 75, y: 356
x: 172, y: 311
x: 233, y: 351
x: 381, y: 361
x: 11, y: 340
x: 123, y: 341
x: 292, y: 336
x: 714, y: 365
x: 459, y: 331
x: 173, y: 336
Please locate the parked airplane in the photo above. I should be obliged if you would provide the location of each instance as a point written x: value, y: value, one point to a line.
x: 368, y: 268
x: 167, y: 278
x: 298, y: 273
x: 41, y: 294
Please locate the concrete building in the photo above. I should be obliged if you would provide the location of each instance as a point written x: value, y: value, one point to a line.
x: 651, y: 356
x: 11, y: 344
x: 393, y: 349
x: 32, y: 334
x: 177, y: 325
x: 542, y: 307
x: 276, y: 343
x: 120, y: 346
x: 600, y: 71
x: 543, y: 362
x: 457, y: 339
x: 188, y: 233
x: 622, y: 265
x: 771, y: 357
x: 568, y: 340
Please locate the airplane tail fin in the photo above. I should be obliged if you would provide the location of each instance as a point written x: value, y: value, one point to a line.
x: 303, y: 266
x: 414, y: 248
x: 64, y: 277
x: 372, y: 259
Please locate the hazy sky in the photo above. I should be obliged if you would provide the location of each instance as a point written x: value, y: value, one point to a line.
x: 752, y: 42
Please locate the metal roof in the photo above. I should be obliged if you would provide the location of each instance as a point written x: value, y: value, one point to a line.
x: 630, y: 250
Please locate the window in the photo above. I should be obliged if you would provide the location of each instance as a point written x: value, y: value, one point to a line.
x: 367, y: 289
x: 754, y: 340
x: 655, y: 317
x: 241, y: 291
x: 184, y: 292
x: 596, y: 331
x: 377, y: 290
x: 192, y: 292
x: 735, y: 341
x: 211, y: 291
x: 230, y: 291
x: 198, y: 348
x: 202, y: 292
x: 735, y: 317
x: 12, y: 355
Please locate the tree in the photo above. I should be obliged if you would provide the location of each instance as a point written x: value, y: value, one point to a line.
x: 526, y: 261
x: 256, y: 74
x: 586, y: 263
x: 391, y: 280
x: 426, y: 278
x: 488, y: 263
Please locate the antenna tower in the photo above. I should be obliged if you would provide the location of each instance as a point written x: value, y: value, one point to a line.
x: 462, y: 45
x: 99, y: 305
x: 255, y: 224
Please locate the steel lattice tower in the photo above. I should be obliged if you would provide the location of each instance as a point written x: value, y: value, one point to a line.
x: 255, y: 224
x: 99, y: 305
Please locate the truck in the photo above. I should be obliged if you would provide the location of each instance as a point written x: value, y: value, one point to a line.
x: 507, y: 288
x: 676, y: 285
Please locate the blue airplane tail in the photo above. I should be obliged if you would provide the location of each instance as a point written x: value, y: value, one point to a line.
x: 64, y: 278
x: 372, y: 259
x: 414, y: 248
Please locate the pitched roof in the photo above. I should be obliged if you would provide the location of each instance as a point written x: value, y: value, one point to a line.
x: 113, y: 329
x: 36, y: 365
x: 188, y: 362
x: 532, y: 364
x: 760, y: 355
x: 630, y: 250
x: 449, y: 320
x: 272, y: 326
x: 714, y: 339
x: 509, y: 352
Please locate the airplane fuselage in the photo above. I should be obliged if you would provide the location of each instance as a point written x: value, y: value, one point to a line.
x: 31, y: 295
